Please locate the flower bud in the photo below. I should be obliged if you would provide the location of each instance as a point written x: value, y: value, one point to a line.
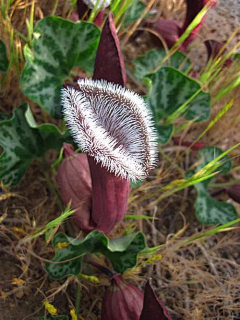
x: 153, y: 308
x: 121, y: 301
x: 169, y: 30
x: 75, y: 184
x: 234, y: 192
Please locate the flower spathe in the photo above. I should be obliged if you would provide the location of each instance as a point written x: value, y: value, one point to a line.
x: 113, y: 125
x: 101, y: 4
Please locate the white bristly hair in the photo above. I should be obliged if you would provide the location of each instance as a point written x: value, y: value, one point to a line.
x: 113, y: 125
x: 101, y: 3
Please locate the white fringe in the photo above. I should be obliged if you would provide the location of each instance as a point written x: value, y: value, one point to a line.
x: 101, y: 3
x: 112, y: 124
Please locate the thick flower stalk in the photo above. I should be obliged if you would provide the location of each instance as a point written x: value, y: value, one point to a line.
x: 171, y: 30
x: 121, y: 301
x: 114, y: 128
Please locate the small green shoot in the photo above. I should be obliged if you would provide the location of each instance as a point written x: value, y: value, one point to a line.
x: 51, y: 227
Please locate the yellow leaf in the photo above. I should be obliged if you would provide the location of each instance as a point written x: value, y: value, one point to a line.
x: 3, y: 295
x: 73, y: 314
x: 50, y: 308
x: 91, y: 278
x: 17, y: 281
x: 61, y: 245
x: 19, y: 230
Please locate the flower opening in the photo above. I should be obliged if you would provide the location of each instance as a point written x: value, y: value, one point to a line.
x: 113, y: 125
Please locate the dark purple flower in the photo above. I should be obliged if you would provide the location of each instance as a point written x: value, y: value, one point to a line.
x: 234, y: 192
x: 171, y: 30
x: 114, y: 127
x: 214, y: 48
x: 75, y: 184
x: 121, y: 301
x: 153, y: 308
x: 85, y: 6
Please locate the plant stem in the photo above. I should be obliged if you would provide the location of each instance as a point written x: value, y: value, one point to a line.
x: 58, y: 200
x: 101, y: 268
x: 53, y: 190
x: 79, y: 294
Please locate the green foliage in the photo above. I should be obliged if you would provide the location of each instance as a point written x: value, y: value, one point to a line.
x: 134, y: 12
x: 173, y: 94
x: 24, y: 141
x: 169, y: 89
x: 209, y: 210
x: 58, y: 46
x: 165, y: 133
x: 3, y: 57
x: 122, y: 252
x: 147, y: 63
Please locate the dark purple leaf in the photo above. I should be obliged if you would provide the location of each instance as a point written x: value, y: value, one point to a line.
x: 153, y: 308
x: 109, y: 64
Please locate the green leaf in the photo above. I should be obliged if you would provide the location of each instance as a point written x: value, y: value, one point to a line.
x: 169, y: 89
x: 58, y: 46
x: 23, y: 143
x: 134, y: 12
x: 3, y: 57
x: 147, y: 63
x: 164, y: 133
x: 4, y: 116
x: 211, y: 211
x: 136, y: 184
x: 50, y: 317
x: 121, y: 252
x: 207, y: 155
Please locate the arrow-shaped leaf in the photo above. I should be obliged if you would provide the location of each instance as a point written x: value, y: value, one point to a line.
x: 169, y: 89
x: 209, y: 210
x: 58, y: 46
x: 23, y: 142
x: 149, y: 61
x: 122, y: 252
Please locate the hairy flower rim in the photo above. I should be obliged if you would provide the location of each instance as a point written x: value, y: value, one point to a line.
x: 112, y: 124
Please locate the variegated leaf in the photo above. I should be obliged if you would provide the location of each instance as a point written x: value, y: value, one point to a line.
x: 169, y: 89
x: 148, y: 62
x: 24, y: 141
x: 122, y: 252
x: 208, y: 209
x: 58, y: 46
